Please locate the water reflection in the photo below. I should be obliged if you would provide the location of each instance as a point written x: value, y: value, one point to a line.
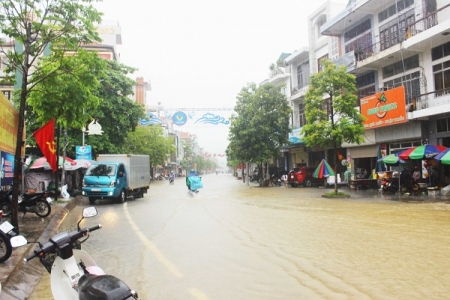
x: 370, y: 246
x: 232, y: 241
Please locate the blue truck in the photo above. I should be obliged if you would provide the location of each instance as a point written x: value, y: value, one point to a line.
x: 117, y: 176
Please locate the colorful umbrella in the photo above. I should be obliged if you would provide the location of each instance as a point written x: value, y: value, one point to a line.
x: 380, y: 166
x: 323, y: 170
x: 444, y: 157
x: 392, y: 159
x: 422, y: 152
x: 42, y: 163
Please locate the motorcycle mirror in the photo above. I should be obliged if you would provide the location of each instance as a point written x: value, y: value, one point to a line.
x: 18, y: 241
x: 89, y: 212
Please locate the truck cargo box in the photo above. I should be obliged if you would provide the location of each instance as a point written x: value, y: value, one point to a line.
x: 137, y: 167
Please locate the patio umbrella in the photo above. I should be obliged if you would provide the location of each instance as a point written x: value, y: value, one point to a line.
x: 443, y: 157
x: 323, y: 170
x: 422, y: 152
x: 380, y: 166
x: 41, y: 162
x: 392, y: 159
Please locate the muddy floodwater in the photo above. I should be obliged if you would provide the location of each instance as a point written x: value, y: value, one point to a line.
x: 233, y: 241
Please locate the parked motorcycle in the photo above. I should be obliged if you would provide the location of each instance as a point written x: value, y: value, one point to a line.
x: 390, y: 185
x: 254, y: 177
x: 8, y: 239
x: 73, y: 272
x: 274, y: 181
x: 5, y: 202
x: 38, y: 203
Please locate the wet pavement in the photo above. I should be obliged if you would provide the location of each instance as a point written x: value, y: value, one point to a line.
x: 17, y: 278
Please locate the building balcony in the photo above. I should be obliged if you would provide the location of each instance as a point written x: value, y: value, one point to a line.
x: 299, y: 91
x: 429, y: 104
x: 417, y: 37
x: 278, y: 75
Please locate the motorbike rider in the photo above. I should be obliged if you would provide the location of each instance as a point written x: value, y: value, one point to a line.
x: 171, y: 176
x: 193, y: 182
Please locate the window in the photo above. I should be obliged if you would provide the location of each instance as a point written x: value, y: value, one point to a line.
x: 358, y: 30
x: 395, y: 147
x: 299, y: 76
x: 365, y: 85
x: 393, y: 9
x: 8, y: 94
x: 441, y: 75
x: 442, y: 125
x: 319, y: 63
x: 3, y: 62
x: 334, y: 47
x: 394, y: 32
x: 302, y: 118
x: 401, y: 66
x: 440, y: 51
x: 320, y: 21
x: 411, y: 82
x: 365, y: 79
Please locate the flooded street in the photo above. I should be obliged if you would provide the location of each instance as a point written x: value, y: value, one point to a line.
x: 233, y: 241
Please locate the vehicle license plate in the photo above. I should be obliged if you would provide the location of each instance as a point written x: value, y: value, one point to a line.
x: 95, y: 190
x: 6, y: 227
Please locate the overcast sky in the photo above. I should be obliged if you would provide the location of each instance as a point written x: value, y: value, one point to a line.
x: 200, y: 53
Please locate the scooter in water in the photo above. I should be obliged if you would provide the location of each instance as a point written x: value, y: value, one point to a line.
x: 73, y: 272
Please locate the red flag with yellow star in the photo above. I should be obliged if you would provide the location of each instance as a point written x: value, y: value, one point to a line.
x: 45, y: 138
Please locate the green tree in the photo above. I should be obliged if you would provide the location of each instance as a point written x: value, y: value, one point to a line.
x: 37, y: 26
x: 90, y: 88
x: 70, y: 89
x: 116, y: 113
x: 260, y: 126
x: 149, y: 140
x: 330, y: 110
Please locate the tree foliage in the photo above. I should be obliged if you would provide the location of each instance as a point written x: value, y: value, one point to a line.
x: 151, y: 141
x: 116, y: 113
x: 260, y: 126
x: 70, y: 90
x: 330, y: 110
x: 87, y: 88
x: 36, y: 26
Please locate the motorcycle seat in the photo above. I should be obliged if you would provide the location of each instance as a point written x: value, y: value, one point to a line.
x: 102, y: 287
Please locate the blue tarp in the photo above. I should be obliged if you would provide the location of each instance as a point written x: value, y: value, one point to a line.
x: 194, y: 182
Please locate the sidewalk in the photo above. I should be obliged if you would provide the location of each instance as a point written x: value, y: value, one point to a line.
x: 17, y: 278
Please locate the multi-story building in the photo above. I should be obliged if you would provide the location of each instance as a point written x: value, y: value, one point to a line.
x: 398, y: 50
x: 300, y: 66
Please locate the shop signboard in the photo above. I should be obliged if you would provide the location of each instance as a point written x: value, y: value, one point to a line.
x: 384, y: 109
x: 83, y: 152
x: 9, y: 120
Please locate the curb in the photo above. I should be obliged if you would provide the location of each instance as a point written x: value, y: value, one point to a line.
x: 22, y: 280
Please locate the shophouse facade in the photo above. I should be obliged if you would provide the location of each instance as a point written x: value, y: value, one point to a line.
x: 301, y: 65
x: 398, y: 50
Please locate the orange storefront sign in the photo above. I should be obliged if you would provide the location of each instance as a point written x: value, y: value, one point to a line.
x: 384, y: 109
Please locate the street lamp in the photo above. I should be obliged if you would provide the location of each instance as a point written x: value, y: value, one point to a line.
x: 94, y: 128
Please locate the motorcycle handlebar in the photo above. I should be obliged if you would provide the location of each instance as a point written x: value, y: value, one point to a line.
x: 50, y: 246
